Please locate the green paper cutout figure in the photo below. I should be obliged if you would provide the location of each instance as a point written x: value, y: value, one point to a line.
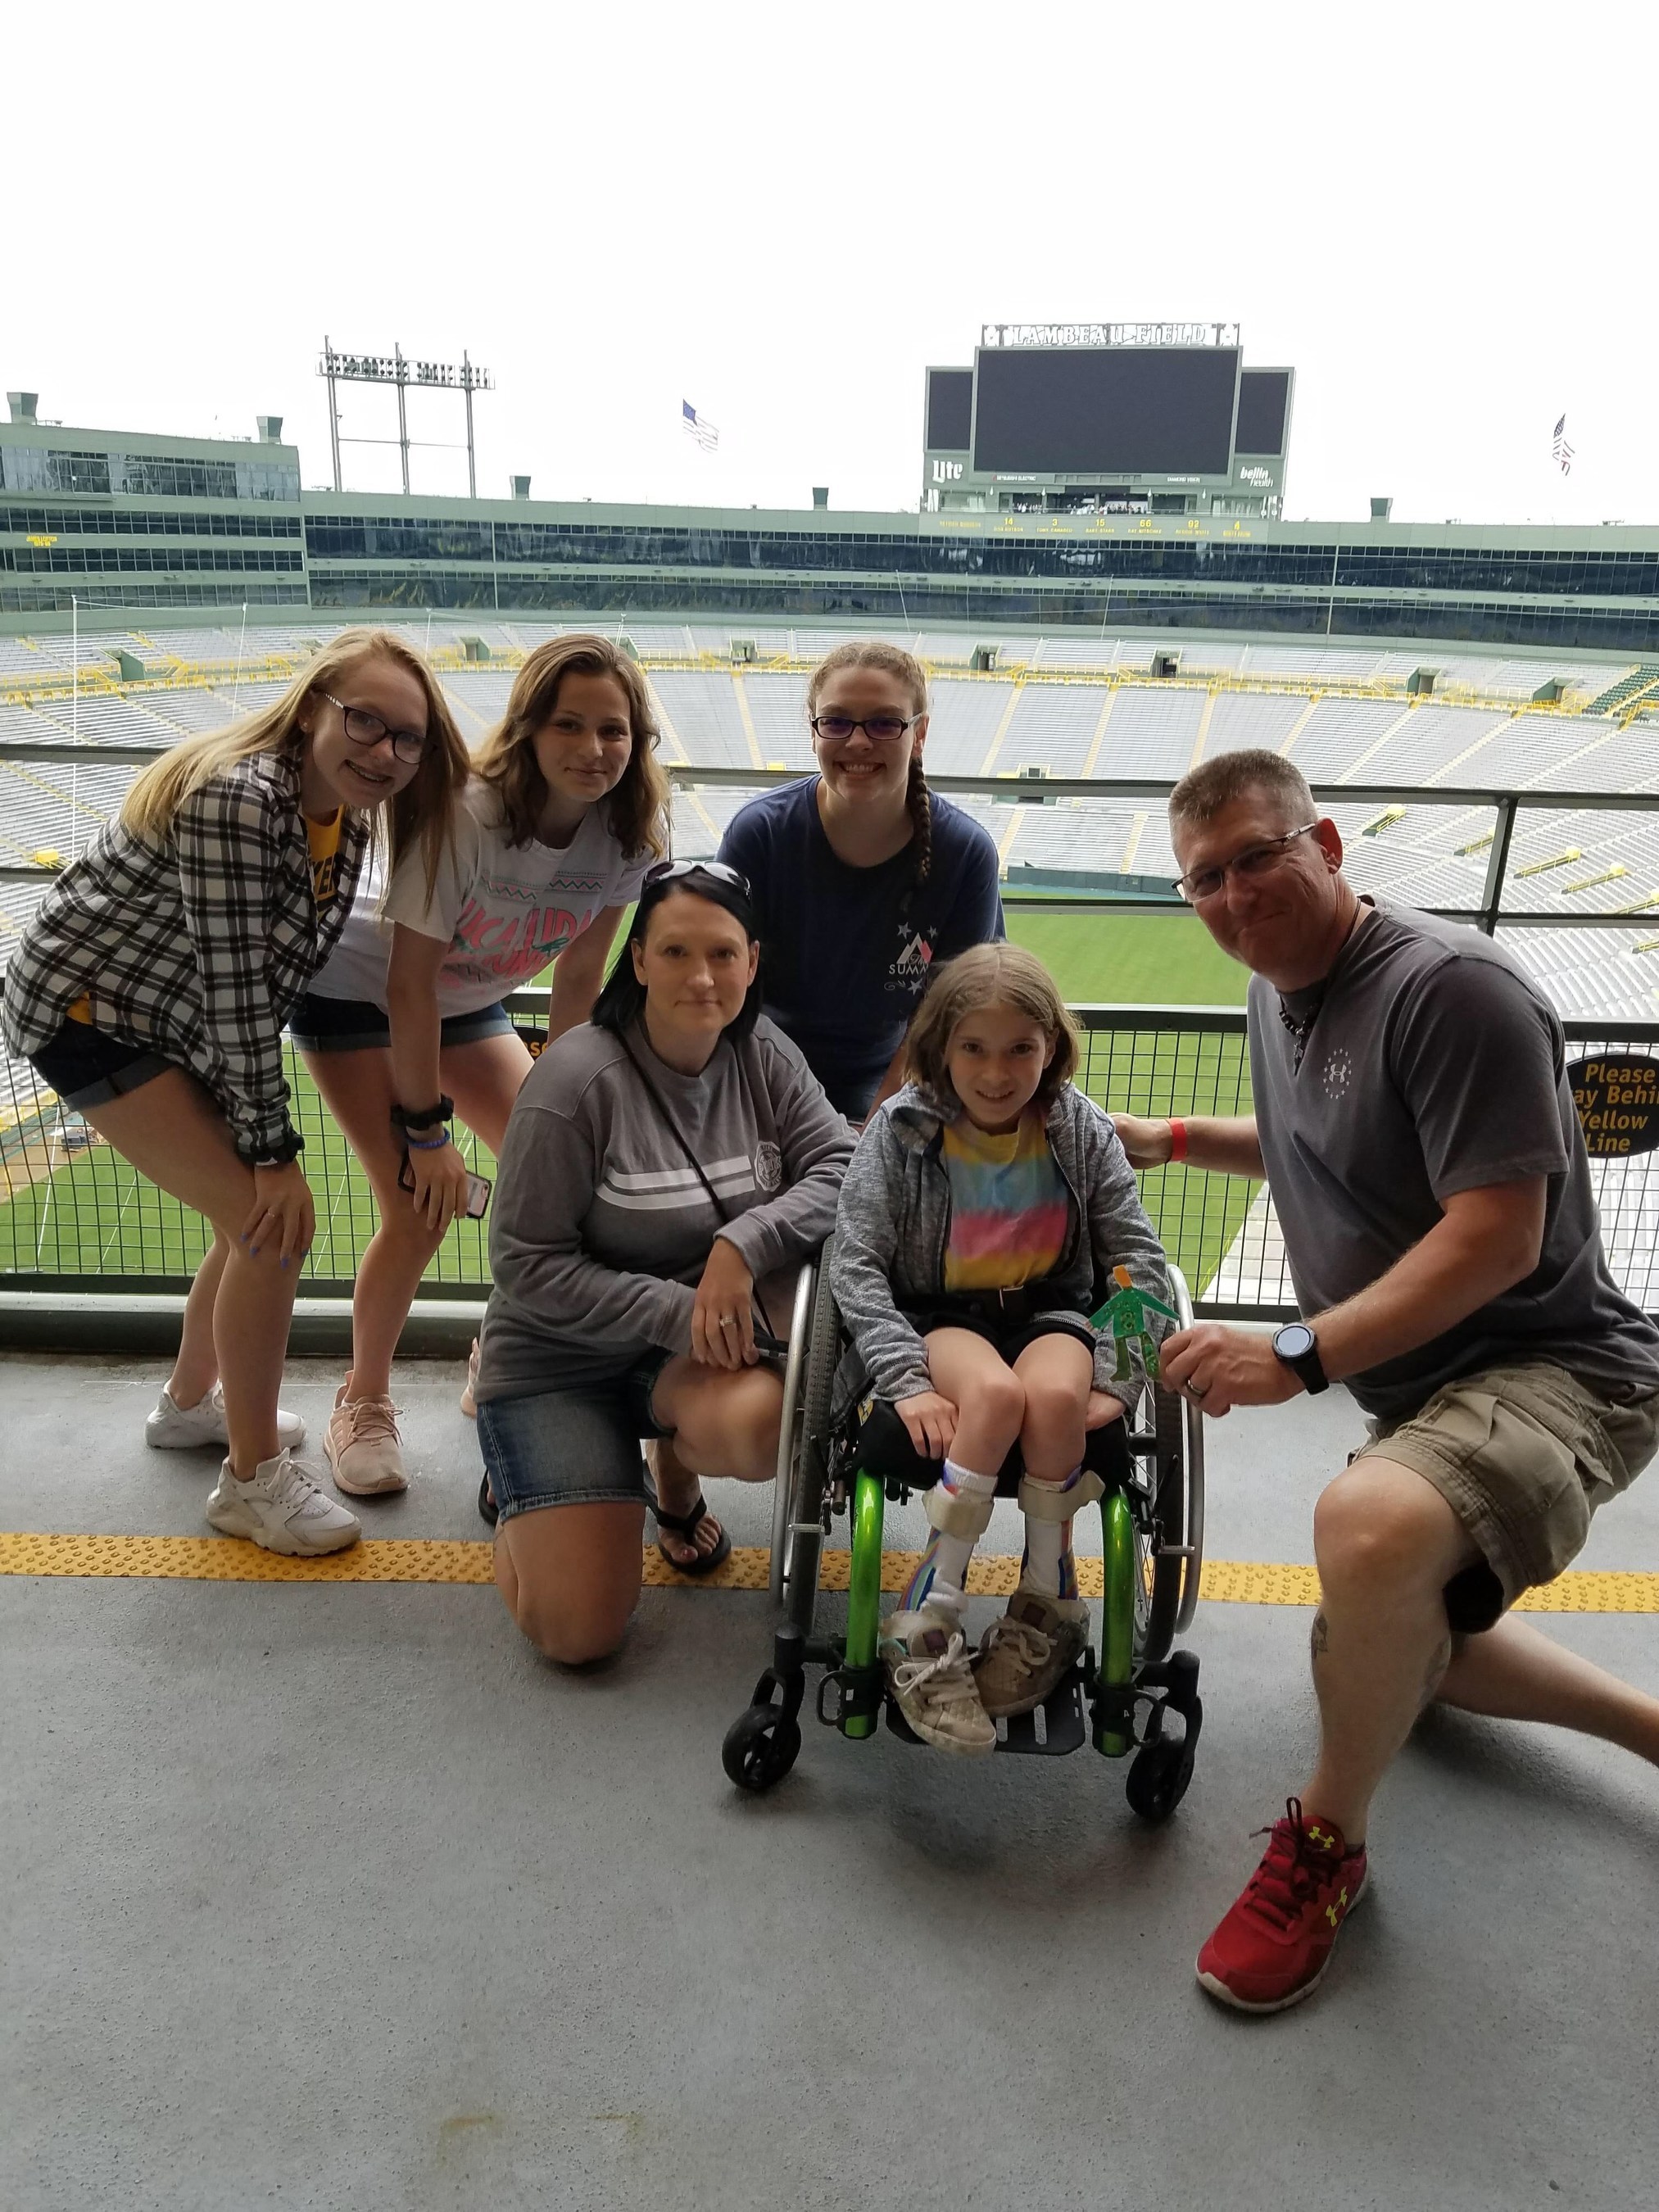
x: 1126, y: 1315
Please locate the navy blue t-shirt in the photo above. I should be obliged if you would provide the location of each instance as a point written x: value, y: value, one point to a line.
x: 847, y: 953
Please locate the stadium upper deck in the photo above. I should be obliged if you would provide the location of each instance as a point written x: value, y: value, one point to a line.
x: 123, y: 521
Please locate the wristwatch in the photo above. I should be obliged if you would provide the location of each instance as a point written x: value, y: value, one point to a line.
x: 1298, y: 1347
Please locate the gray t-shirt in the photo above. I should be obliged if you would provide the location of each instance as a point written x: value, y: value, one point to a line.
x: 601, y: 1225
x: 1429, y: 1063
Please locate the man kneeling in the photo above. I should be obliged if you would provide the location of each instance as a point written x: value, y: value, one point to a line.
x: 1414, y: 1121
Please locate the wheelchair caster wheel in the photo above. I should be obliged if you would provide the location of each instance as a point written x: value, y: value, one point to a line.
x: 760, y: 1746
x: 1158, y: 1779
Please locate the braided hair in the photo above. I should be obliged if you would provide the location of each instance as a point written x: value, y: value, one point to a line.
x: 919, y: 805
x: 892, y: 660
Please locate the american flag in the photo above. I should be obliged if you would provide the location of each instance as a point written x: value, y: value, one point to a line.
x: 698, y: 427
x: 1560, y: 450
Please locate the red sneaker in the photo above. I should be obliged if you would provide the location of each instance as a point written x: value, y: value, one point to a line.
x: 1272, y: 1948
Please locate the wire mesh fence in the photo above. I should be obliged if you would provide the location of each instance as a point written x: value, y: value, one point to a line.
x: 74, y: 1216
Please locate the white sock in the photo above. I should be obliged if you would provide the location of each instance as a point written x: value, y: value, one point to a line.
x: 940, y: 1578
x: 1049, y: 1566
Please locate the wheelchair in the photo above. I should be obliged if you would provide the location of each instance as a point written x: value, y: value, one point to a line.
x: 1137, y: 1695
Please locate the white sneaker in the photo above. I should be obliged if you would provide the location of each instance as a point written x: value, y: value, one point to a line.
x: 184, y: 1428
x: 362, y: 1445
x: 281, y: 1509
x: 932, y: 1683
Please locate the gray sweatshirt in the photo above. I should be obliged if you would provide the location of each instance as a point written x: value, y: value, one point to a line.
x: 894, y: 1228
x: 601, y: 1226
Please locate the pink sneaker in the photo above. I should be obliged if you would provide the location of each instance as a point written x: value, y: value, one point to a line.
x: 363, y: 1446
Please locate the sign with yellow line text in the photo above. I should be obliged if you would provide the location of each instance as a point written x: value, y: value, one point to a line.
x: 1617, y: 1102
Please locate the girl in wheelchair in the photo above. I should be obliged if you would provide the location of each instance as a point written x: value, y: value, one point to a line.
x: 985, y: 1209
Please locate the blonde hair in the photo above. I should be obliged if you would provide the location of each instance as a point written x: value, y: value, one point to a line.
x: 423, y: 809
x: 891, y: 660
x: 999, y: 974
x: 637, y: 810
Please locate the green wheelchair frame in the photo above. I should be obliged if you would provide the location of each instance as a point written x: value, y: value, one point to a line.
x: 1122, y: 1699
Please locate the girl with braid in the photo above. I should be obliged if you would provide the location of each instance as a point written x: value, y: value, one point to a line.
x: 862, y: 878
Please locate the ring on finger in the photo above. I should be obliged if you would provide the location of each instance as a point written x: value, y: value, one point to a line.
x: 1196, y: 1390
x: 727, y: 1320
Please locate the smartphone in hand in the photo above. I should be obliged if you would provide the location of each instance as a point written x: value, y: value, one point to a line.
x: 477, y: 1190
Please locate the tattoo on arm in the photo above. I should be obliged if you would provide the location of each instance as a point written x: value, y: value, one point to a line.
x: 1319, y: 1640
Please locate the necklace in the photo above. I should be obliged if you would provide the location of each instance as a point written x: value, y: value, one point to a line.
x: 1300, y: 1026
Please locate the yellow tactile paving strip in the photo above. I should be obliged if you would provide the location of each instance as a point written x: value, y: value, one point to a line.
x: 223, y: 1559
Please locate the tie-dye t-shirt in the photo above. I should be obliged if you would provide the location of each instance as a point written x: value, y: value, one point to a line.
x: 504, y: 911
x: 1009, y: 1206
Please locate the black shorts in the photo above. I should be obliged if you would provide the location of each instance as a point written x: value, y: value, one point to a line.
x: 87, y: 1068
x: 1009, y: 1337
x: 320, y: 1024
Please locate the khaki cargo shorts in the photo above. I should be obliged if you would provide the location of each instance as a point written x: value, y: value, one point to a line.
x: 1524, y: 1456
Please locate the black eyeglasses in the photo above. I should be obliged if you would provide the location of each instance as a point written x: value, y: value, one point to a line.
x: 365, y: 729
x: 880, y: 729
x: 671, y: 872
x: 1254, y: 860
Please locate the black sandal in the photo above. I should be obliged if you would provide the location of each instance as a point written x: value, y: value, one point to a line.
x: 684, y: 1525
x: 487, y: 1505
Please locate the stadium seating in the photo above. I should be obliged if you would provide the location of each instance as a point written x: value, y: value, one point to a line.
x: 1475, y: 731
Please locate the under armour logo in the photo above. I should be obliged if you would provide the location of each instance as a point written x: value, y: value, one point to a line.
x: 1335, y: 1912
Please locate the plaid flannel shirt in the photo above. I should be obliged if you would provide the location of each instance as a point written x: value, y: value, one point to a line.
x: 197, y: 945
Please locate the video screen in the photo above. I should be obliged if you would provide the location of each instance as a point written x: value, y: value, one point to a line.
x: 950, y: 410
x: 1117, y: 410
x: 1264, y: 399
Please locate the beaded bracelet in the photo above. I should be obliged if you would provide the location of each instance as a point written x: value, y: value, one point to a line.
x: 427, y: 1144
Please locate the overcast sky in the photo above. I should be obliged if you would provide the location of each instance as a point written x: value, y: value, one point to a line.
x: 1440, y: 214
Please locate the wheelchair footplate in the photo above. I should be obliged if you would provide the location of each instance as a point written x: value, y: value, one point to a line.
x: 1050, y: 1730
x: 859, y: 1694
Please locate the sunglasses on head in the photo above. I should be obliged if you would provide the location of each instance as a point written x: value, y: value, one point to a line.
x: 671, y: 872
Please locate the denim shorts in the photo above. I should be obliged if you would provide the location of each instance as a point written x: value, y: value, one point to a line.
x: 87, y: 1068
x: 320, y: 1024
x: 579, y: 1446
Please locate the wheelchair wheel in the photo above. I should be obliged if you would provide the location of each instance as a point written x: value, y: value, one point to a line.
x: 1166, y: 1594
x: 1158, y: 1580
x: 790, y: 1431
x: 1158, y: 1779
x: 805, y: 1541
x: 760, y: 1746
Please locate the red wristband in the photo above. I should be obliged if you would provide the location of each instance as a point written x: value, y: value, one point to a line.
x: 1178, y: 1139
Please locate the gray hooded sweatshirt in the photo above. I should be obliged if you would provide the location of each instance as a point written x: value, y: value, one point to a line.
x: 893, y: 1229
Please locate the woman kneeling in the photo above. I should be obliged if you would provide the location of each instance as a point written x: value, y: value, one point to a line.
x: 659, y: 1164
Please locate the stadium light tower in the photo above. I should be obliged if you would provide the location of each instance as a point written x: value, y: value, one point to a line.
x: 392, y: 369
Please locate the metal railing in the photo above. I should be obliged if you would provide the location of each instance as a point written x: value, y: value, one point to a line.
x: 75, y: 1217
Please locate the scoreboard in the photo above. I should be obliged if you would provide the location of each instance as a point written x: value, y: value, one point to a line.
x: 1149, y: 417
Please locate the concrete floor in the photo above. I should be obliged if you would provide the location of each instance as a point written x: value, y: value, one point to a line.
x: 337, y: 1896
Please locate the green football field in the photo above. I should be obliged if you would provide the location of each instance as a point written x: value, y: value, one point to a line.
x: 1129, y: 959
x: 93, y: 1218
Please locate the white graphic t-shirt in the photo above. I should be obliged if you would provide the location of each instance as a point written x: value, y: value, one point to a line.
x: 505, y: 910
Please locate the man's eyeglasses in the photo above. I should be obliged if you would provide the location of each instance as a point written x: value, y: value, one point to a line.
x: 671, y: 872
x: 365, y: 729
x: 1255, y: 861
x: 880, y: 729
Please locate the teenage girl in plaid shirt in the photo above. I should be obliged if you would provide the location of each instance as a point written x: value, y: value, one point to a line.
x: 150, y: 991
